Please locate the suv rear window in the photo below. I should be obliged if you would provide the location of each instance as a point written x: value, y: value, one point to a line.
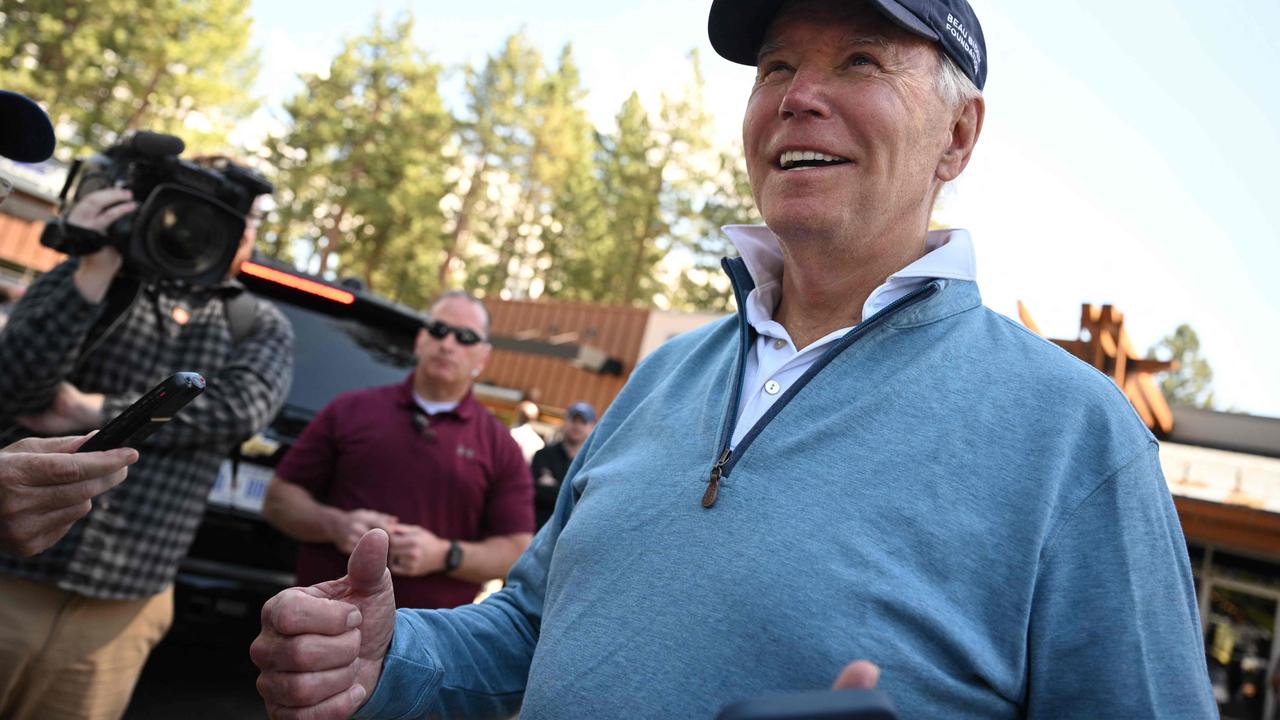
x: 335, y: 355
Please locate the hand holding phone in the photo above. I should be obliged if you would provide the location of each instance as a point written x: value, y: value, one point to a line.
x: 146, y: 415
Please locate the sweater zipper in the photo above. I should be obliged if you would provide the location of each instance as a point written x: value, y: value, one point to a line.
x: 729, y: 456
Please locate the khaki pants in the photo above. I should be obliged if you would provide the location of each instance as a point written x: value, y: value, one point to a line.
x: 64, y: 655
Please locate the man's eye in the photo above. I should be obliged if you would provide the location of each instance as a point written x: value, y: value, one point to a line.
x: 860, y: 59
x: 770, y: 68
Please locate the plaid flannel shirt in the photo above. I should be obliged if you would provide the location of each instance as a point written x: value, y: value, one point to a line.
x: 130, y: 544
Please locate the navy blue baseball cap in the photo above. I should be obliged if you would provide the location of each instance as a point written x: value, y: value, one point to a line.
x: 737, y: 29
x: 581, y: 410
x: 26, y: 135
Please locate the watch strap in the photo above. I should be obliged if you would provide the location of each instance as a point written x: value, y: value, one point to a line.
x: 454, y: 557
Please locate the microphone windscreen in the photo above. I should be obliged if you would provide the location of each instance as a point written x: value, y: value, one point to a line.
x: 156, y: 144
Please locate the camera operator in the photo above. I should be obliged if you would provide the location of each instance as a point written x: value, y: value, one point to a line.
x: 87, y: 340
x: 45, y: 486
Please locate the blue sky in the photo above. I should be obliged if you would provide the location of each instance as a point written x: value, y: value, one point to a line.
x: 1129, y: 155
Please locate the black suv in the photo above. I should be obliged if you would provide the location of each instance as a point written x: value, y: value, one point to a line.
x: 346, y: 339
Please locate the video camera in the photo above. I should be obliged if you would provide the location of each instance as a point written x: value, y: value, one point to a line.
x: 191, y: 215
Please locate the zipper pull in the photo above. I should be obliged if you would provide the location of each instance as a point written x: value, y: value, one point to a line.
x: 713, y: 484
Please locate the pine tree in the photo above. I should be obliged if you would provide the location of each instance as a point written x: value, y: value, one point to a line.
x: 104, y: 67
x: 1191, y: 382
x: 362, y: 167
x: 632, y: 165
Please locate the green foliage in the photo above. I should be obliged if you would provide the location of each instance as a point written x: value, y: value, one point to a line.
x: 526, y: 145
x: 1191, y: 382
x: 515, y: 194
x: 713, y: 191
x: 701, y: 286
x: 547, y: 205
x: 632, y: 164
x: 107, y: 66
x: 649, y: 232
x: 362, y: 167
x: 707, y: 189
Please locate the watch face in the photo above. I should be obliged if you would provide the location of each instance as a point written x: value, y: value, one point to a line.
x: 454, y: 559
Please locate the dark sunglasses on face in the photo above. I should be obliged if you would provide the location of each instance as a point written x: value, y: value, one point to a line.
x: 464, y: 336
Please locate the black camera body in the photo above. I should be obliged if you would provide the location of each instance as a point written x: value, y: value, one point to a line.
x: 191, y: 215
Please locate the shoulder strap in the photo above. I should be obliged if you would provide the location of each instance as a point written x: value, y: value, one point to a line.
x: 242, y: 313
x: 121, y: 295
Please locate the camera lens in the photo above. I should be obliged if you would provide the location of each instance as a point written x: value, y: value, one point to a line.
x: 186, y: 238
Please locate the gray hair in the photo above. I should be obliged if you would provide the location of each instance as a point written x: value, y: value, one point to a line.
x: 469, y: 298
x: 953, y: 86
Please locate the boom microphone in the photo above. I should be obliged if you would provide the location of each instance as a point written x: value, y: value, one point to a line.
x: 154, y: 144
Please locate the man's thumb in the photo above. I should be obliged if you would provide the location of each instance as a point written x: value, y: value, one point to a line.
x: 368, y: 561
x: 858, y: 675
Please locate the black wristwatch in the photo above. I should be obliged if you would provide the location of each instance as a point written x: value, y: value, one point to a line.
x: 454, y: 558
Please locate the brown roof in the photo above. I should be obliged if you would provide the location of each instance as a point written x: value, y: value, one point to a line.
x: 553, y: 331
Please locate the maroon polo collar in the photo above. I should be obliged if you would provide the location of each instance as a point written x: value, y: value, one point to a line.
x: 466, y: 407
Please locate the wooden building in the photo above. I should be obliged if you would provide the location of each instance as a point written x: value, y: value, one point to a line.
x: 22, y: 216
x: 1223, y: 471
x: 557, y: 353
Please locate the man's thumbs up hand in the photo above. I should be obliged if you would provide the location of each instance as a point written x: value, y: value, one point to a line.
x: 321, y: 647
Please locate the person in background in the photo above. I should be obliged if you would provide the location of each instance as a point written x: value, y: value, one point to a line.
x: 45, y: 486
x: 551, y: 464
x: 78, y: 620
x: 525, y: 436
x: 421, y: 459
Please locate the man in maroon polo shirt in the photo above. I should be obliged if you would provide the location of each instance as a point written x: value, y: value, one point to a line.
x: 422, y: 460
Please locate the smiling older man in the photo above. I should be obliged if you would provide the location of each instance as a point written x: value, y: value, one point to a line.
x: 864, y: 463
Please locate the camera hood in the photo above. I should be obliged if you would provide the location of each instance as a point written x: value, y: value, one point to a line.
x: 183, y: 234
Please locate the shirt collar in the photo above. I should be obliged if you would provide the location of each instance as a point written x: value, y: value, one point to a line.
x: 948, y: 254
x: 465, y: 407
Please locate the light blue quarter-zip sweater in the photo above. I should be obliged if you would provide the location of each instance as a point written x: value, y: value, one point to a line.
x: 943, y: 493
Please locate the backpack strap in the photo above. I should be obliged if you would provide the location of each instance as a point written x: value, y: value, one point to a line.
x: 242, y: 315
x: 121, y: 295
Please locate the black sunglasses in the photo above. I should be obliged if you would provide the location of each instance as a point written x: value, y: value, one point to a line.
x: 464, y: 336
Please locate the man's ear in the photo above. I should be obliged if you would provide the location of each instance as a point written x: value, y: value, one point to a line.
x: 966, y: 125
x: 485, y: 350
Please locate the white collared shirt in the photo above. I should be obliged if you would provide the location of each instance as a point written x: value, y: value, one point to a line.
x: 774, y: 364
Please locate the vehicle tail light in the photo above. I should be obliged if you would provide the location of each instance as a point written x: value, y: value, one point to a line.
x: 293, y: 281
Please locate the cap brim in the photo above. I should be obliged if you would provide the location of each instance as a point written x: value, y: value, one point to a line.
x: 737, y: 27
x: 26, y: 135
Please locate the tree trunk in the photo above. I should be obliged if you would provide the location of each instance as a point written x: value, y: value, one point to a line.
x: 136, y: 117
x: 454, y: 244
x: 637, y: 264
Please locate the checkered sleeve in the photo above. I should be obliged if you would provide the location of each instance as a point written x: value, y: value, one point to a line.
x: 40, y: 343
x: 240, y: 398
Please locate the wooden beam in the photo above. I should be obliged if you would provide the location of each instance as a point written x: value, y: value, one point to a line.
x: 1110, y: 350
x: 1146, y: 365
x: 1025, y: 316
x: 1160, y: 409
x: 1229, y: 526
x: 1133, y: 391
x: 1079, y: 348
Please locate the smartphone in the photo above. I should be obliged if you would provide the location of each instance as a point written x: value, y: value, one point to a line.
x: 146, y: 415
x: 814, y: 705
